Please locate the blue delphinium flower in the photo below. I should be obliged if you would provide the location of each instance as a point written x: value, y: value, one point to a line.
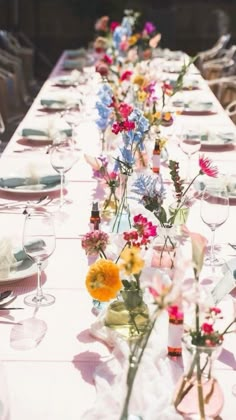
x: 103, y: 106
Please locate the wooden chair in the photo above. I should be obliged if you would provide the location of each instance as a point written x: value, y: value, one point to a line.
x: 231, y: 111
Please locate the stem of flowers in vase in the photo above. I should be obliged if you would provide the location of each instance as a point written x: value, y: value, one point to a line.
x: 134, y: 363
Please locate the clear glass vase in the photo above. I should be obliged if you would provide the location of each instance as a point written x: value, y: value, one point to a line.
x: 111, y: 203
x: 178, y: 214
x: 165, y: 246
x: 122, y: 219
x: 128, y: 315
x: 198, y: 394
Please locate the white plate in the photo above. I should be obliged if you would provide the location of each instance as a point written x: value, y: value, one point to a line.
x: 199, y: 184
x: 32, y: 189
x: 38, y: 138
x: 19, y: 271
x: 218, y: 139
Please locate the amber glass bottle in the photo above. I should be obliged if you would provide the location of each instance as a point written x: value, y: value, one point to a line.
x: 95, y: 217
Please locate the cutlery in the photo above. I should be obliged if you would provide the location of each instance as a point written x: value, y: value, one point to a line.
x: 232, y: 246
x: 5, y: 294
x: 37, y: 202
x: 5, y: 308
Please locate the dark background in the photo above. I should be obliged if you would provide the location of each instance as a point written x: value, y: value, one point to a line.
x: 55, y: 25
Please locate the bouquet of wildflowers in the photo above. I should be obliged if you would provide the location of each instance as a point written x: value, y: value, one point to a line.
x: 151, y: 189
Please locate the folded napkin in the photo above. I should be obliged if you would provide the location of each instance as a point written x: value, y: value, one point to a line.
x: 80, y: 52
x: 78, y: 63
x: 14, y: 182
x: 27, y: 132
x: 9, y: 257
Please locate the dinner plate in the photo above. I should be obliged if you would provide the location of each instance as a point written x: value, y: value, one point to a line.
x: 230, y: 183
x: 33, y: 189
x: 218, y: 139
x: 19, y: 271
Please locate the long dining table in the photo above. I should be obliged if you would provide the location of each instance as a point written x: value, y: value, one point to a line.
x: 48, y: 356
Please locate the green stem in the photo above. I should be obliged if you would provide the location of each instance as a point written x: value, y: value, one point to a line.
x: 134, y: 365
x: 199, y: 389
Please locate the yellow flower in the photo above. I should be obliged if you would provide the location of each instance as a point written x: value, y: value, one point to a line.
x: 142, y: 96
x: 132, y: 264
x: 138, y: 79
x: 133, y: 39
x: 157, y: 115
x: 103, y: 280
x: 167, y: 116
x: 162, y: 143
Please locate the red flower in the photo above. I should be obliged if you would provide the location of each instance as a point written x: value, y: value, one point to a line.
x: 113, y: 25
x: 207, y: 328
x: 125, y: 110
x: 107, y: 59
x: 167, y: 89
x: 116, y: 128
x: 126, y: 75
x: 175, y: 313
x: 215, y: 309
x: 206, y: 167
x: 128, y: 125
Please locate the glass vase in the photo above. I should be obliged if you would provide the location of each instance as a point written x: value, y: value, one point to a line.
x: 198, y: 394
x: 128, y: 315
x: 111, y: 203
x: 179, y: 215
x: 122, y: 219
x: 165, y: 246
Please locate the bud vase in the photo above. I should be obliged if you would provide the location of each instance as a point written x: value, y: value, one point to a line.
x: 198, y: 393
x: 128, y: 315
x: 165, y: 246
x: 111, y: 203
x: 122, y: 219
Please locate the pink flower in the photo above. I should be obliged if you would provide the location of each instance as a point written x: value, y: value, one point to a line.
x: 128, y: 125
x: 125, y: 110
x: 215, y: 310
x: 174, y: 312
x: 206, y: 167
x: 116, y: 128
x: 113, y: 25
x: 102, y: 68
x: 102, y: 24
x: 113, y: 175
x: 126, y: 75
x: 95, y: 241
x: 107, y: 59
x: 207, y: 328
x: 124, y: 45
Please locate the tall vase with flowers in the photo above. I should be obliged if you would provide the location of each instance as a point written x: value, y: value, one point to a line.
x: 198, y: 392
x: 128, y: 314
x: 151, y: 193
x: 132, y: 124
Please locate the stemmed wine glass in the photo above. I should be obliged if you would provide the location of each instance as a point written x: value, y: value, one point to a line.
x: 63, y: 156
x: 214, y: 212
x: 39, y: 243
x: 190, y: 143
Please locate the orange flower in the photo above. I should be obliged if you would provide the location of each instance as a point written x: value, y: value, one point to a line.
x: 103, y: 280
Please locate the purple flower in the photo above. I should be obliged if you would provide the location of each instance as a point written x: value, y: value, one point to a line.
x: 149, y: 27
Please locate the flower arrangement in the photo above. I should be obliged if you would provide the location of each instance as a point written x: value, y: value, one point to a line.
x: 152, y: 193
x: 201, y: 340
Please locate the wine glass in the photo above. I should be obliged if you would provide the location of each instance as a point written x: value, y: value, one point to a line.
x: 214, y: 212
x: 63, y: 156
x: 190, y: 143
x: 39, y: 243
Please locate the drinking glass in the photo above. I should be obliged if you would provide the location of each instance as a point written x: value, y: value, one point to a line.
x: 39, y: 243
x: 63, y: 156
x: 214, y: 212
x: 190, y: 143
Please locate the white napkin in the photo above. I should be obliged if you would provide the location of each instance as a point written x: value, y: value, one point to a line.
x: 153, y: 386
x: 7, y: 258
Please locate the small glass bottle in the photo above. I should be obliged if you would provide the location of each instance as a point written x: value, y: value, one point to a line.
x: 175, y: 333
x: 95, y: 217
x: 156, y: 157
